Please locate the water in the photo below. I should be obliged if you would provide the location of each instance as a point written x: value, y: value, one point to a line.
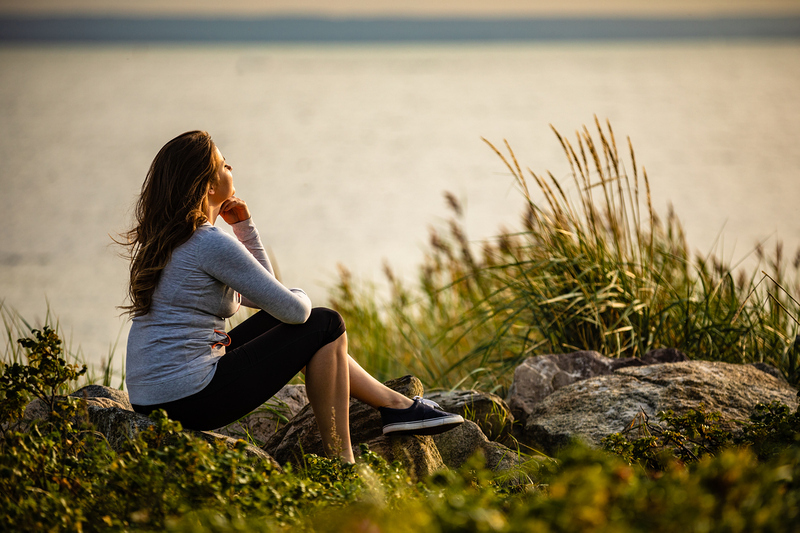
x: 343, y: 152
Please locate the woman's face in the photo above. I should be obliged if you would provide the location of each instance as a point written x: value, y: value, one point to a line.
x: 222, y: 187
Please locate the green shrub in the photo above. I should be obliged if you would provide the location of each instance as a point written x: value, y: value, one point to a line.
x: 44, y: 376
x: 771, y: 429
x: 60, y: 475
x: 685, y: 438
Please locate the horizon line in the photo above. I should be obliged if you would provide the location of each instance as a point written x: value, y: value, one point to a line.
x: 382, y: 29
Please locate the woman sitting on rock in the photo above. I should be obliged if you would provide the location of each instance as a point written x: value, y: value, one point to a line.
x: 187, y: 277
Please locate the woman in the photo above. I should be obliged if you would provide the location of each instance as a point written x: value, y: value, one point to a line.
x: 187, y: 277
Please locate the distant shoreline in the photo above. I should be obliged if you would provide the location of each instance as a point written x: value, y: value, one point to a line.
x: 87, y: 29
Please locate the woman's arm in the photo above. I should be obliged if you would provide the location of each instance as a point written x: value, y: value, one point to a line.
x: 248, y: 235
x: 231, y: 263
x: 235, y: 212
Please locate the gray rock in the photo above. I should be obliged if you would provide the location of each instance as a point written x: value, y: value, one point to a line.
x: 230, y: 442
x: 99, y: 391
x: 769, y: 369
x: 418, y: 454
x: 538, y: 377
x: 120, y: 425
x: 36, y: 410
x: 301, y: 435
x: 458, y: 445
x: 488, y: 410
x: 111, y: 412
x: 117, y: 425
x: 661, y: 355
x: 39, y: 410
x: 261, y: 424
x: 96, y: 395
x: 594, y: 408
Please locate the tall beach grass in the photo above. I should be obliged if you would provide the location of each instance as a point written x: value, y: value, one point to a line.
x: 592, y: 267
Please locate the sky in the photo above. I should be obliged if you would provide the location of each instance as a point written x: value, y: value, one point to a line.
x: 424, y: 8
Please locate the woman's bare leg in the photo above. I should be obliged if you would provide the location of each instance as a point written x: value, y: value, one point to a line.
x: 328, y: 389
x: 332, y: 376
x: 372, y: 392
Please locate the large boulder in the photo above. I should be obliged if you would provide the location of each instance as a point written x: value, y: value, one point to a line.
x: 594, y: 408
x: 301, y: 435
x: 487, y: 410
x: 459, y: 444
x: 261, y: 424
x: 538, y: 377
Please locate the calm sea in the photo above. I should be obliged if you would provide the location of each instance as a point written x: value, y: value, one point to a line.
x: 343, y: 152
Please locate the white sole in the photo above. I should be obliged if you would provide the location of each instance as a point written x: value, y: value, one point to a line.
x: 440, y: 423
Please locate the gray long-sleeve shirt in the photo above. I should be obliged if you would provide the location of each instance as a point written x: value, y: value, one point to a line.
x: 171, y: 350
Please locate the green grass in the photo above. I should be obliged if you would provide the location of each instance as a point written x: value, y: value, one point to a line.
x: 593, y: 267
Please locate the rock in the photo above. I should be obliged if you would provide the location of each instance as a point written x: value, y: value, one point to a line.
x: 230, y: 442
x: 301, y: 435
x: 121, y: 425
x: 117, y: 425
x: 39, y: 410
x: 261, y: 424
x: 36, y: 410
x: 458, y: 445
x: 99, y: 391
x: 771, y: 370
x: 660, y: 355
x: 109, y: 416
x: 488, y: 410
x: 418, y: 453
x: 538, y: 377
x: 292, y: 398
x: 596, y: 407
x: 97, y: 395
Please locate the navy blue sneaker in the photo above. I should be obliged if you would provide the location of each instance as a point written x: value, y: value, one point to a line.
x: 425, y: 417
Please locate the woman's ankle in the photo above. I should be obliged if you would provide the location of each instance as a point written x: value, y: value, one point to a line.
x: 398, y: 401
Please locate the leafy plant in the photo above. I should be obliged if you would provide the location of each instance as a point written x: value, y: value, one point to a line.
x: 44, y: 377
x: 771, y: 429
x: 687, y: 438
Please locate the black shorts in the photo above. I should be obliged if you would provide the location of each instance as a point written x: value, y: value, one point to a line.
x: 263, y: 356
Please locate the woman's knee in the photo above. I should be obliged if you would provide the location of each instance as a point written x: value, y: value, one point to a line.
x: 330, y: 322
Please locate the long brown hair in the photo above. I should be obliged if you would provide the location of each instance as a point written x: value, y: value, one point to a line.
x: 170, y: 208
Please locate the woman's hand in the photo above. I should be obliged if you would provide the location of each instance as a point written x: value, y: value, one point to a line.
x: 234, y: 210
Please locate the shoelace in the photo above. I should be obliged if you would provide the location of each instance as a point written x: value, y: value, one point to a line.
x: 429, y: 403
